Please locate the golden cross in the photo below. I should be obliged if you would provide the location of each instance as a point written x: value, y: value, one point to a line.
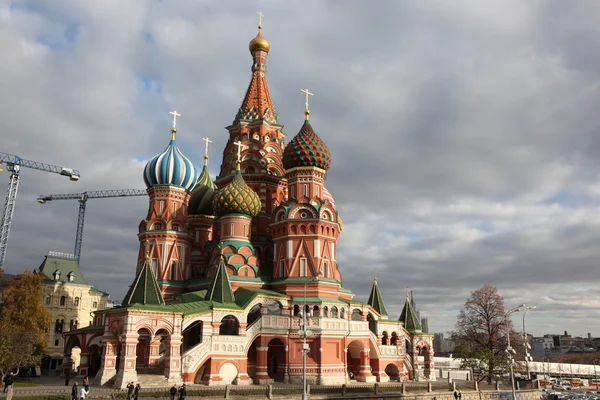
x: 260, y: 17
x: 207, y: 140
x: 175, y: 115
x: 240, y: 147
x: 305, y: 91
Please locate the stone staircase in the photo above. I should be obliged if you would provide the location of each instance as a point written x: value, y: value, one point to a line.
x: 153, y: 380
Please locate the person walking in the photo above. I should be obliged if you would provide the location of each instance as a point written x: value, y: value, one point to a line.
x: 173, y: 392
x: 136, y: 392
x: 182, y: 392
x: 75, y: 392
x: 8, y: 381
x: 130, y: 389
x: 83, y: 393
x: 456, y: 395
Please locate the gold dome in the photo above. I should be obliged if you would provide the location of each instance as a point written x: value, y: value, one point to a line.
x: 259, y: 43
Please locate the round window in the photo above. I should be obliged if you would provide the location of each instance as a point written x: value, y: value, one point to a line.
x: 303, y: 215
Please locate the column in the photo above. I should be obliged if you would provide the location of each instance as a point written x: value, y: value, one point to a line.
x: 262, y: 375
x: 83, y: 364
x: 108, y: 366
x: 127, y: 372
x: 173, y: 359
x: 364, y: 372
x: 429, y: 365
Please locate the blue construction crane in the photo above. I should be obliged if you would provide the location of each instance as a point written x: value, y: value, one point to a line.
x: 13, y: 165
x: 83, y: 198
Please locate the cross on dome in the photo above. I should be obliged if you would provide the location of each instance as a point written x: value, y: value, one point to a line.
x: 207, y: 140
x: 175, y: 115
x: 240, y: 147
x: 260, y: 17
x: 307, y: 93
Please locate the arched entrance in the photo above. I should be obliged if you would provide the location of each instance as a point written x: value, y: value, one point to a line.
x: 354, y: 353
x: 392, y: 372
x: 251, y: 356
x: 95, y: 360
x: 142, y: 350
x: 276, y: 360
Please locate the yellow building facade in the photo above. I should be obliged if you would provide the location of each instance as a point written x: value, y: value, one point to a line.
x: 72, y: 300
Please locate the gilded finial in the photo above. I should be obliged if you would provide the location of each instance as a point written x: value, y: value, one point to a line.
x: 173, y: 133
x: 147, y: 250
x: 306, y: 110
x: 406, y: 293
x: 259, y: 43
x: 375, y: 275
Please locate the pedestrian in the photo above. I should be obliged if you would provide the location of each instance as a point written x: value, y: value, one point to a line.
x: 456, y: 395
x: 28, y: 374
x: 459, y: 395
x: 8, y: 381
x: 74, y: 392
x: 85, y: 381
x: 182, y: 392
x: 67, y: 375
x: 83, y: 393
x: 173, y: 392
x: 130, y: 389
x: 136, y: 392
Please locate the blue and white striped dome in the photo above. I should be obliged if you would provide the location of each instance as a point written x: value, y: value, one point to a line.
x: 170, y: 167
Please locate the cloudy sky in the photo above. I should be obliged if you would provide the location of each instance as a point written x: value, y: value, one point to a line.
x: 464, y: 135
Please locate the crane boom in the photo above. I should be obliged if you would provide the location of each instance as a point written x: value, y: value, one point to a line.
x: 13, y: 165
x: 11, y: 159
x: 83, y: 198
x: 98, y: 194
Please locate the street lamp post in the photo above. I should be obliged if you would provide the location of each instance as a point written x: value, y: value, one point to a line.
x: 595, y: 376
x: 526, y: 342
x: 510, y: 351
x: 305, y: 333
x: 547, y: 373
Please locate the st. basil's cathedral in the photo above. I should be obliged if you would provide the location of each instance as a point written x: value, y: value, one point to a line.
x: 226, y: 269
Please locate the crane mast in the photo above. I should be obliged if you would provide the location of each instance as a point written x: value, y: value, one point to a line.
x: 83, y: 198
x: 13, y: 165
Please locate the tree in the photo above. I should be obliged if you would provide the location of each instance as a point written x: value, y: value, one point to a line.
x: 480, y: 334
x: 23, y: 322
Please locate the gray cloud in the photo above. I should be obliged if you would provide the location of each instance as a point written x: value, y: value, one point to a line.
x: 464, y: 136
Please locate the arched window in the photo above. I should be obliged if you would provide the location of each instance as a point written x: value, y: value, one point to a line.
x: 157, y: 227
x: 253, y: 314
x: 95, y: 304
x: 316, y: 311
x: 326, y: 312
x: 305, y: 190
x: 343, y: 314
x: 334, y: 312
x: 71, y: 276
x: 47, y: 300
x: 296, y: 310
x: 231, y: 230
x: 282, y: 269
x: 274, y: 308
x: 384, y: 338
x: 63, y: 300
x: 394, y: 341
x: 325, y: 269
x: 76, y: 302
x: 229, y: 326
x: 356, y: 315
x: 174, y: 270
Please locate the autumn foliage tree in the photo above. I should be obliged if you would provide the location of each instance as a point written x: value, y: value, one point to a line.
x: 23, y: 322
x: 480, y: 334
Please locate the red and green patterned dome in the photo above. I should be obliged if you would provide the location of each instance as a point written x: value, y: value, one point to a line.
x: 237, y: 198
x: 306, y: 149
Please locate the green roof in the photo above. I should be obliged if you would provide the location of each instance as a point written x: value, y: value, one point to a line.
x: 376, y: 300
x: 220, y: 289
x: 62, y: 266
x: 243, y: 296
x: 409, y: 318
x: 145, y: 289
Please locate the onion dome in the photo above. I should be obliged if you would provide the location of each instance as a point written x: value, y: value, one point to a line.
x: 170, y: 168
x: 237, y: 198
x: 325, y: 195
x: 203, y: 193
x: 259, y: 43
x: 306, y: 149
